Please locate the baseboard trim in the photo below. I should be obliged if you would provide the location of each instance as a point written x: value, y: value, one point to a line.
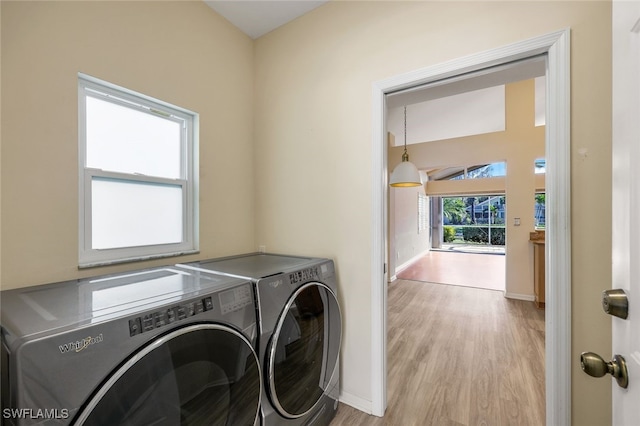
x: 356, y: 402
x: 410, y: 262
x: 526, y: 297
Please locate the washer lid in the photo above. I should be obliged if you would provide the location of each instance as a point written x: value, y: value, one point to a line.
x: 38, y: 309
x: 255, y: 265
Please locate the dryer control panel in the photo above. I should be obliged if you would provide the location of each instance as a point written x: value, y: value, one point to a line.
x: 234, y: 299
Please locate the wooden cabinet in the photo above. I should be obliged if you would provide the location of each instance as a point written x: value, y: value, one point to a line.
x: 537, y: 239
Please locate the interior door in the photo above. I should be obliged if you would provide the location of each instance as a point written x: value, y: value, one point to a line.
x: 626, y: 203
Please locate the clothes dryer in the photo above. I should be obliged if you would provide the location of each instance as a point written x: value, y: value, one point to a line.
x: 162, y: 346
x: 300, y: 333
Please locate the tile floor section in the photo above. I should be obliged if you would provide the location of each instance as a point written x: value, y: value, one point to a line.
x: 456, y: 268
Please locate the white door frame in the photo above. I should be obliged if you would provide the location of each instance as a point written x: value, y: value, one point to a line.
x: 558, y: 233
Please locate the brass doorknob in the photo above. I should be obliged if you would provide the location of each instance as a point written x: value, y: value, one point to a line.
x: 616, y: 303
x: 595, y: 366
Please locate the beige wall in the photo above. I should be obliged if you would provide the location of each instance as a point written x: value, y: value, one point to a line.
x: 406, y: 242
x: 313, y: 146
x: 180, y: 52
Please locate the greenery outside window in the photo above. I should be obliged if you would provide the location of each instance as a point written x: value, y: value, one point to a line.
x: 539, y: 212
x: 474, y: 219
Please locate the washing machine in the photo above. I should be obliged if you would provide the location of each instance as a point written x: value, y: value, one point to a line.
x: 300, y: 333
x: 161, y: 346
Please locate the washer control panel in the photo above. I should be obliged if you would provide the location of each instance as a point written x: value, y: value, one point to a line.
x: 168, y: 316
x: 230, y: 300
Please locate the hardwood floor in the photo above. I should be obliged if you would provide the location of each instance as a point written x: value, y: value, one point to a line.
x: 459, y: 356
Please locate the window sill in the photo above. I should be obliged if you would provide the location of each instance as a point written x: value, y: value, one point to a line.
x: 89, y: 265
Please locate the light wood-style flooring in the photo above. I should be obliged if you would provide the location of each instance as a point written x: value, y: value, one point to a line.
x: 459, y: 356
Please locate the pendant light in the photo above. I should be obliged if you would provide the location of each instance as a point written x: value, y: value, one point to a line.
x: 405, y: 174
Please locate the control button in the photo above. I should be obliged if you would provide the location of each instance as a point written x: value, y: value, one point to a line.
x: 208, y: 303
x: 191, y: 310
x: 159, y: 319
x: 171, y: 315
x: 199, y: 307
x: 182, y: 312
x: 135, y: 326
x: 147, y: 322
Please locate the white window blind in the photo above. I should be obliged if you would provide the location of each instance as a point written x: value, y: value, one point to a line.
x: 423, y: 217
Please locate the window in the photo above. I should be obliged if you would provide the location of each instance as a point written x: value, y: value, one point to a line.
x: 481, y: 171
x: 539, y: 212
x: 138, y: 176
x: 474, y: 219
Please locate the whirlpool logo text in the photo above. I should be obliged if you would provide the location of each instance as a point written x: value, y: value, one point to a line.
x: 80, y: 345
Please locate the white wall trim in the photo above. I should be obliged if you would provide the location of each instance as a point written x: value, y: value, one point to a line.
x: 379, y: 200
x: 558, y: 256
x: 516, y: 296
x: 558, y: 233
x: 409, y: 262
x: 355, y: 402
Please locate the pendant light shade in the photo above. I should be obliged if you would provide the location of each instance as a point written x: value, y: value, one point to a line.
x: 406, y: 173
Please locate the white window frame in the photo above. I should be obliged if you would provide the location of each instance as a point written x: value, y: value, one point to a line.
x: 188, y: 180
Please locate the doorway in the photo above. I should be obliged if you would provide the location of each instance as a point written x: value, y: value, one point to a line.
x: 554, y: 48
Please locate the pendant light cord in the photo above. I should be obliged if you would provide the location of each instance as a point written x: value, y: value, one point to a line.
x: 405, y: 155
x: 405, y: 128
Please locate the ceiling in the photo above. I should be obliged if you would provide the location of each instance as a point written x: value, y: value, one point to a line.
x: 453, y: 95
x: 258, y: 17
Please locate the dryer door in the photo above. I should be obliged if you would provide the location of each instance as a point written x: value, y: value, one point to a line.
x: 302, y: 357
x: 202, y: 374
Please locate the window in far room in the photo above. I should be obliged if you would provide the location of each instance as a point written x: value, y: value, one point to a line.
x: 138, y: 175
x: 540, y: 168
x: 480, y: 171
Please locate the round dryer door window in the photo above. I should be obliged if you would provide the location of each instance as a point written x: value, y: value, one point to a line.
x: 304, y: 349
x: 203, y: 374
